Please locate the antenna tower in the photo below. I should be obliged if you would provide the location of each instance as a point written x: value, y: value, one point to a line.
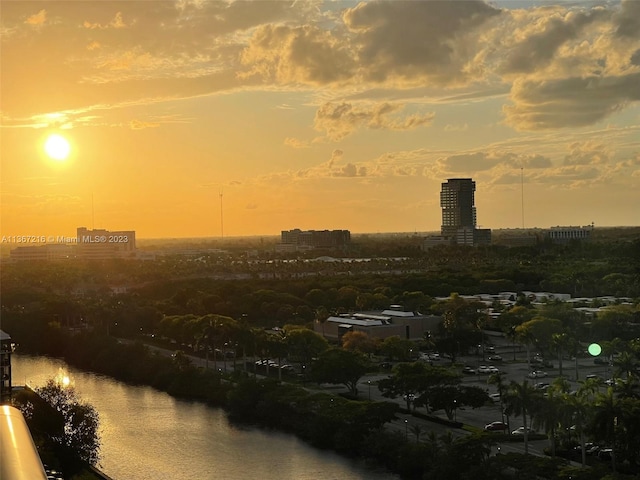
x: 221, y: 218
x: 522, y: 193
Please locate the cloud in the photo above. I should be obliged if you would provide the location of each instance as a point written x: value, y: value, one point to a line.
x: 627, y: 20
x: 468, y: 162
x: 336, y: 156
x: 139, y: 124
x: 116, y: 23
x: 488, y: 159
x: 340, y: 119
x: 563, y: 66
x: 414, y: 41
x: 540, y: 39
x: 588, y: 153
x: 37, y: 19
x: 304, y: 54
x: 349, y: 170
x: 295, y: 143
x: 569, y: 102
x: 456, y: 128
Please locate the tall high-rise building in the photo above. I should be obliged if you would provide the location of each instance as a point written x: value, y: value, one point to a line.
x: 457, y: 202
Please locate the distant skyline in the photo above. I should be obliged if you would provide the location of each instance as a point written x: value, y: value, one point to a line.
x: 316, y: 114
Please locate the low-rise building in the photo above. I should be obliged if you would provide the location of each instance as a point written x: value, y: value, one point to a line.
x: 47, y: 252
x: 332, y: 239
x: 567, y: 234
x: 103, y: 244
x: 380, y: 324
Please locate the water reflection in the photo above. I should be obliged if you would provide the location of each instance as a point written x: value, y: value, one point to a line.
x: 148, y: 435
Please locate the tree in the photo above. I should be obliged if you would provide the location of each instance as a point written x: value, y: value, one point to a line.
x: 81, y: 421
x: 340, y: 367
x: 451, y: 397
x: 413, y: 381
x: 580, y: 404
x: 522, y: 399
x: 305, y: 344
x: 408, y: 379
x: 604, y: 422
x: 539, y: 331
x: 459, y: 327
x: 358, y: 341
x: 551, y: 415
x: 561, y: 342
x: 276, y: 347
x: 626, y: 363
x: 395, y: 347
x: 497, y: 379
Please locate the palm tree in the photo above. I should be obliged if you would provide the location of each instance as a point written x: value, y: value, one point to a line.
x: 560, y: 342
x: 605, y: 420
x: 417, y: 430
x: 580, y: 406
x: 626, y: 363
x: 551, y: 415
x: 498, y: 380
x: 525, y: 335
x: 628, y: 388
x: 522, y: 399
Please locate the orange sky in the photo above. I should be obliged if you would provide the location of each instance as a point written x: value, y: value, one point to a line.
x: 317, y: 115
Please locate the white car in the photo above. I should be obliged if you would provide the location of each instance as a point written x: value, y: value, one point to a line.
x: 520, y: 431
x: 487, y: 369
x: 495, y: 397
x: 537, y: 374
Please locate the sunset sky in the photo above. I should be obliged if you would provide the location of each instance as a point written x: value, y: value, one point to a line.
x: 317, y: 114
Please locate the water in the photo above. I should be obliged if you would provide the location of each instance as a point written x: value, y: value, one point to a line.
x: 147, y: 434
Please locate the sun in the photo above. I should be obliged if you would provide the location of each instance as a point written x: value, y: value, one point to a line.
x: 57, y: 147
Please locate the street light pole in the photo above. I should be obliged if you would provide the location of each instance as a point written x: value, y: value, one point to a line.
x: 369, y: 383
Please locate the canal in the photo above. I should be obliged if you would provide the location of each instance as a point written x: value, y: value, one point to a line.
x: 147, y: 434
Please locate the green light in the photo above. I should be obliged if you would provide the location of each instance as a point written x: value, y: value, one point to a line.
x: 595, y: 349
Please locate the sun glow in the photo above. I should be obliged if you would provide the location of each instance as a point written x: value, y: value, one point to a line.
x: 57, y: 147
x: 63, y: 379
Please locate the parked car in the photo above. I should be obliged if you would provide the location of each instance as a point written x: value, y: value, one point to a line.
x: 409, y: 396
x: 495, y: 397
x: 537, y: 374
x: 496, y: 427
x: 520, y: 431
x: 605, y: 454
x: 469, y: 370
x: 487, y: 369
x: 541, y: 386
x: 495, y: 358
x: 589, y: 448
